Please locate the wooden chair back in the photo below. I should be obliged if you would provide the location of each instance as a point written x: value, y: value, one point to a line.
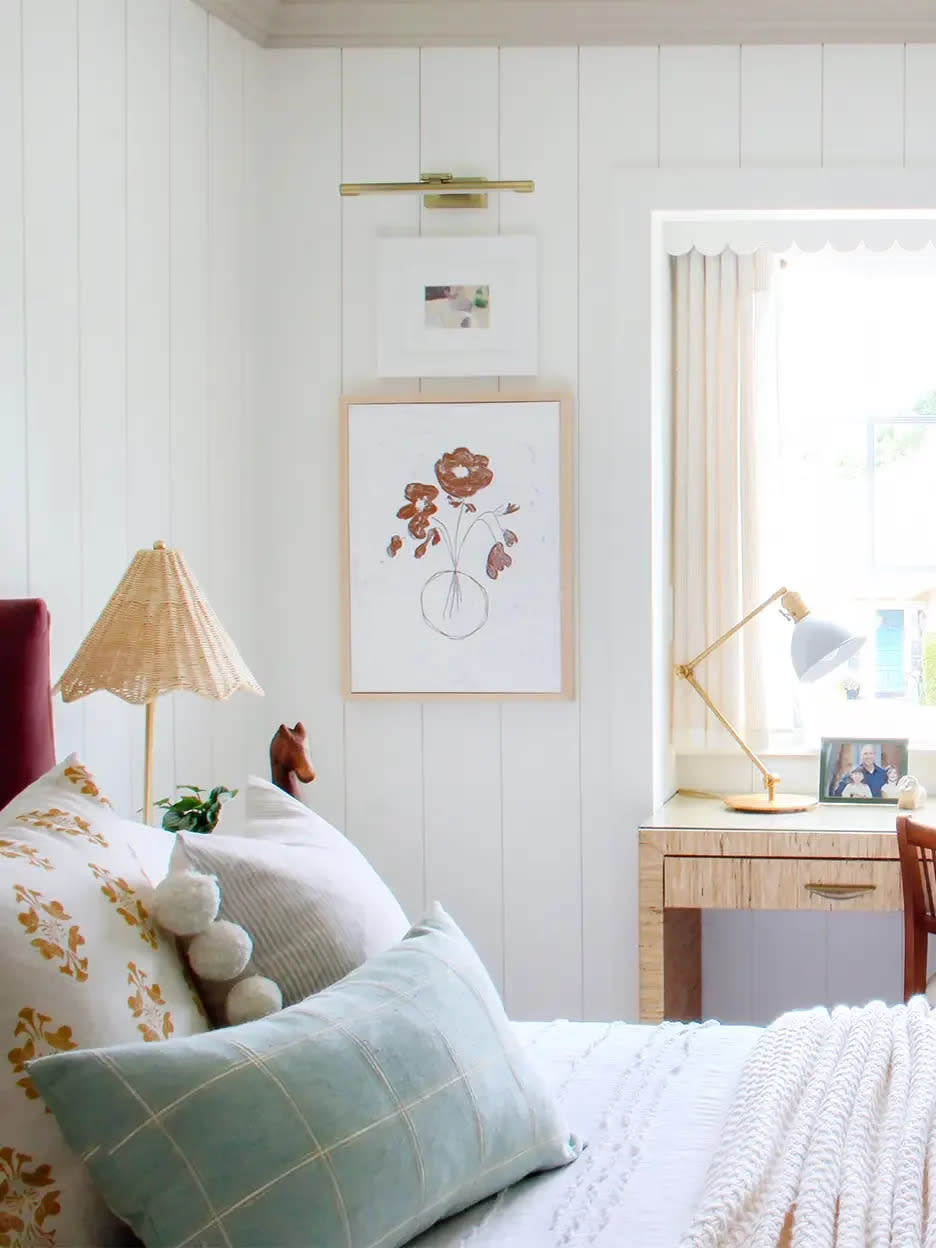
x: 917, y: 845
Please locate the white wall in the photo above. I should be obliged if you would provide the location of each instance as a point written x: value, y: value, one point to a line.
x: 183, y: 297
x: 520, y: 818
x: 122, y: 348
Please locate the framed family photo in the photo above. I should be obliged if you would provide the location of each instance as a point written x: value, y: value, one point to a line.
x: 861, y: 769
x: 458, y: 547
x: 457, y: 307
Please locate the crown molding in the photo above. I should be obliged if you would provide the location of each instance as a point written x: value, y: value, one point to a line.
x: 409, y: 23
x: 254, y: 19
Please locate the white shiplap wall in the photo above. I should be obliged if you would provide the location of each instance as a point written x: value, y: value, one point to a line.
x: 123, y: 237
x: 183, y: 296
x: 522, y: 818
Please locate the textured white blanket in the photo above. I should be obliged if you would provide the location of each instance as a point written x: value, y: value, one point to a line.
x: 831, y: 1140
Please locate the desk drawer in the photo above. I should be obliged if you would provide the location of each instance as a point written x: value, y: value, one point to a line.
x: 782, y: 884
x: 825, y: 884
x: 707, y: 883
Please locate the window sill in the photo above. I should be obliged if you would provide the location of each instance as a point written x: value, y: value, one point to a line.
x: 724, y: 771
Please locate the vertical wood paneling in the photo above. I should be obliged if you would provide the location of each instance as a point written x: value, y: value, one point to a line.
x: 228, y: 445
x: 728, y: 958
x: 298, y: 380
x: 149, y: 449
x: 103, y: 270
x: 700, y: 123
x: 863, y: 104
x: 259, y: 712
x: 201, y: 409
x: 541, y: 795
x: 194, y: 468
x: 462, y: 741
x: 790, y: 963
x: 14, y: 557
x: 380, y: 136
x: 617, y: 125
x: 781, y: 106
x: 921, y: 104
x: 865, y: 958
x: 102, y: 181
x: 50, y: 202
x: 618, y: 113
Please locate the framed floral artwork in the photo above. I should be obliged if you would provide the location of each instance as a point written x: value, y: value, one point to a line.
x: 457, y: 307
x: 457, y: 547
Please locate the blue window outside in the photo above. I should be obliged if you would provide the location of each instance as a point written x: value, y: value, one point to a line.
x: 889, y: 654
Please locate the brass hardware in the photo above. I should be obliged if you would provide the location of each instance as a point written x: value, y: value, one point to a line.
x: 441, y: 190
x: 840, y: 892
x: 456, y: 199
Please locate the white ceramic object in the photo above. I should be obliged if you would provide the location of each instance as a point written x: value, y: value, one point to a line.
x: 910, y: 793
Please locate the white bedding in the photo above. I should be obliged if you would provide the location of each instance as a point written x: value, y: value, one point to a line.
x: 651, y: 1103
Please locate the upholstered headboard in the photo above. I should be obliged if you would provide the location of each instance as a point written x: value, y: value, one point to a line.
x: 27, y: 743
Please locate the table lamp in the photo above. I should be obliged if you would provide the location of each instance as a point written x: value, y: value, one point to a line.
x: 157, y: 634
x: 817, y: 647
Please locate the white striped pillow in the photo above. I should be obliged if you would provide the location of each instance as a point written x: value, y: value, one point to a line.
x: 312, y: 903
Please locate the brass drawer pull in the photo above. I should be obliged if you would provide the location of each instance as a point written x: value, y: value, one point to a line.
x: 840, y: 892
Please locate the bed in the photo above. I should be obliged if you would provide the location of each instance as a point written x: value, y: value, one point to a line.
x: 697, y: 1134
x: 651, y: 1101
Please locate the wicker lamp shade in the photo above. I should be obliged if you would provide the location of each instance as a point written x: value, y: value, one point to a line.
x: 158, y: 634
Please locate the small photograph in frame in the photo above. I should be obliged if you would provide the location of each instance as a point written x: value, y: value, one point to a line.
x: 861, y: 770
x: 457, y: 307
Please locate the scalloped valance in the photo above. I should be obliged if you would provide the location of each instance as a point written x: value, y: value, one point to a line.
x: 778, y: 232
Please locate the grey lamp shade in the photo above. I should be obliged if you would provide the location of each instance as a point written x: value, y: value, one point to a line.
x: 818, y: 646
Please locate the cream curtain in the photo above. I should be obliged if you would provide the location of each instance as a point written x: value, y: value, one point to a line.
x: 724, y: 368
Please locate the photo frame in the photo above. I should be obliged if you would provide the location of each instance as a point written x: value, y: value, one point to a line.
x: 458, y: 547
x: 457, y: 307
x: 861, y: 769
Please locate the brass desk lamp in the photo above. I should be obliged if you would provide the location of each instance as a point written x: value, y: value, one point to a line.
x: 817, y: 647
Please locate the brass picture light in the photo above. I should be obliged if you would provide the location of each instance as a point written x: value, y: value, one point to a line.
x: 441, y: 190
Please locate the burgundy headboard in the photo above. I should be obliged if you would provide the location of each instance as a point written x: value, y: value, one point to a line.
x: 27, y: 743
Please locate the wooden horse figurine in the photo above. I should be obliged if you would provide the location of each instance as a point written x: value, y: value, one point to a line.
x: 289, y: 760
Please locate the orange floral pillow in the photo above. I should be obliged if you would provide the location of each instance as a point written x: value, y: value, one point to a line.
x: 83, y: 966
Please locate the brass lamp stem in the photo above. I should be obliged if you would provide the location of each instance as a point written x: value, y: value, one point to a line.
x: 684, y: 670
x: 794, y: 606
x: 795, y: 609
x: 148, y: 762
x: 741, y: 623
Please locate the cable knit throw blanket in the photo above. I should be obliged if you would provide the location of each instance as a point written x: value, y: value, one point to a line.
x: 832, y: 1137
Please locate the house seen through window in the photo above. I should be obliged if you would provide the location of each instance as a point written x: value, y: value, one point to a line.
x: 851, y: 509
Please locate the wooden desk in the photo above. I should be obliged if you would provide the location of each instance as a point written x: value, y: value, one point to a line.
x: 695, y: 855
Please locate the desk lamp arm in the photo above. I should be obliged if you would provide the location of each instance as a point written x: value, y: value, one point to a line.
x: 793, y: 606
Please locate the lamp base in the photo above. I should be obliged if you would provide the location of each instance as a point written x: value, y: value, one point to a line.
x: 761, y: 804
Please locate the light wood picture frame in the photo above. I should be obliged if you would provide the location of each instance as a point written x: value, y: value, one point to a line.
x: 457, y: 546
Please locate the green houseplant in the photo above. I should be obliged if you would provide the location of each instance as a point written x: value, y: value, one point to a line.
x: 194, y: 813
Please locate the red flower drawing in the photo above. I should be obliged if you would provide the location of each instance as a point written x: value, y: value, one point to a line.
x: 497, y: 560
x: 462, y: 474
x: 419, y: 509
x: 453, y: 602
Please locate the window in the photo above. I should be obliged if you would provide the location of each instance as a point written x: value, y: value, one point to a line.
x: 850, y: 518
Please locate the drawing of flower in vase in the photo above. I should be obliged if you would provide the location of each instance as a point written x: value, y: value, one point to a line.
x: 453, y: 602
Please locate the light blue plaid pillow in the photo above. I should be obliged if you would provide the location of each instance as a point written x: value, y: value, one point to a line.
x: 356, y: 1118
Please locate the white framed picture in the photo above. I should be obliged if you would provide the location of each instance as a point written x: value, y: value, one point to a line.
x: 457, y: 307
x: 458, y: 547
